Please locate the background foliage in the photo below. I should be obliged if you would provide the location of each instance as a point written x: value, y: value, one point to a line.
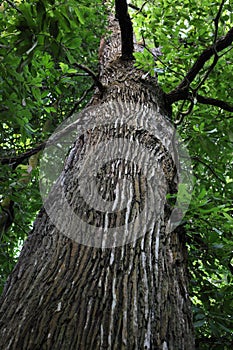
x: 40, y: 43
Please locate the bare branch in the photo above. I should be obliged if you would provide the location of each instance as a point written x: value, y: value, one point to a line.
x: 186, y: 95
x: 216, y: 20
x: 156, y: 58
x: 183, y: 114
x: 208, y: 167
x: 214, y: 102
x: 92, y: 74
x: 14, y: 6
x: 56, y: 136
x: 177, y: 95
x: 141, y: 8
x: 211, y: 67
x: 138, y: 9
x: 76, y: 104
x: 19, y: 159
x: 134, y: 7
x: 220, y: 45
x: 126, y: 29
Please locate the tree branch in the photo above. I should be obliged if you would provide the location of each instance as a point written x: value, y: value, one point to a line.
x: 214, y: 102
x: 220, y: 45
x: 125, y: 23
x: 182, y: 113
x: 92, y: 74
x: 216, y: 20
x: 209, y: 167
x: 181, y: 91
x: 14, y: 6
x: 134, y: 7
x: 82, y: 98
x: 138, y: 9
x: 211, y: 67
x: 16, y: 160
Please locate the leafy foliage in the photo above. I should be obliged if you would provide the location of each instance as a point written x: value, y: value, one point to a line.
x: 40, y: 86
x: 181, y: 32
x: 40, y: 43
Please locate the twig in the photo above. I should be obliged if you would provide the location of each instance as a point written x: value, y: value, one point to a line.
x: 180, y: 113
x: 92, y: 74
x: 185, y: 113
x: 141, y: 8
x: 14, y: 6
x: 215, y: 61
x: 134, y: 7
x: 18, y: 159
x: 216, y: 57
x: 209, y: 167
x: 156, y: 58
x: 216, y: 21
x: 138, y: 9
x: 72, y: 111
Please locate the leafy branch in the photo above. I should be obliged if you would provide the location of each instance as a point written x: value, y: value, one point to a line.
x: 220, y: 45
x: 155, y: 52
x: 183, y: 90
x: 16, y: 160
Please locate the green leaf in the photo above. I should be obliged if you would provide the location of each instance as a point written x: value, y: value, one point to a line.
x: 79, y: 15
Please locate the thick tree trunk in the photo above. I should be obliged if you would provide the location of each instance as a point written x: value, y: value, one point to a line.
x: 63, y: 295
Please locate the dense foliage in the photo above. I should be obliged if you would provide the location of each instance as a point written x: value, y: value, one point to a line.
x: 40, y: 43
x: 40, y: 87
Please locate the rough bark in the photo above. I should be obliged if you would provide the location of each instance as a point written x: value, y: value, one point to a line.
x: 64, y: 295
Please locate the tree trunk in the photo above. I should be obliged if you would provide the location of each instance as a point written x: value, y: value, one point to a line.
x: 126, y: 288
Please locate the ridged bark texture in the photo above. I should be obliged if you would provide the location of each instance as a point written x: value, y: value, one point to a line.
x: 66, y: 296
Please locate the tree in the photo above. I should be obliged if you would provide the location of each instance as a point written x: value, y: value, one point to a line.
x: 134, y: 295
